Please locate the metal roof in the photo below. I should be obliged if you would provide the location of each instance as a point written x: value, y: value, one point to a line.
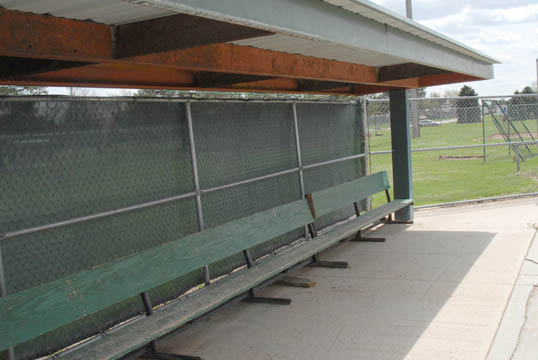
x: 375, y: 12
x: 352, y: 31
x: 111, y: 12
x: 117, y: 12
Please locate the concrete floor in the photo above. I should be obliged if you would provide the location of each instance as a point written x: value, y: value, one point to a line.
x: 437, y: 289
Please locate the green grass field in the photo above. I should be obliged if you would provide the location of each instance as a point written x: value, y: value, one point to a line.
x: 438, y: 180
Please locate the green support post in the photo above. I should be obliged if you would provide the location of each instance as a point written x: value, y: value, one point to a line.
x: 401, y: 151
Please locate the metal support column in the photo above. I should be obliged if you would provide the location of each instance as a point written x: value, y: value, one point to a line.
x: 299, y: 156
x: 196, y: 181
x: 3, y: 292
x: 401, y: 151
x: 483, y: 129
x: 366, y: 144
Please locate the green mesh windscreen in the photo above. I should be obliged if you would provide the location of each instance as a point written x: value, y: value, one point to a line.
x: 330, y: 132
x: 66, y: 158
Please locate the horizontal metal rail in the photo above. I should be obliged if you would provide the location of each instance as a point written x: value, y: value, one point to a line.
x: 86, y: 218
x: 171, y: 99
x: 94, y: 216
x: 513, y: 143
x: 323, y: 163
x: 248, y: 181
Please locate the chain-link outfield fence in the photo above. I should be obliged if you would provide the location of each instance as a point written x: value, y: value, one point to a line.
x: 86, y: 181
x: 463, y: 148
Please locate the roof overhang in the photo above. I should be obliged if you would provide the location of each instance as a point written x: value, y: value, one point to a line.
x: 305, y: 46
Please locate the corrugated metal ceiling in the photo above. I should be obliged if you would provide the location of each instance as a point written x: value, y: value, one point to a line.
x: 111, y: 12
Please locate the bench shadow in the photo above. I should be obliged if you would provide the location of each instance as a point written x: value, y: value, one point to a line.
x: 379, y: 308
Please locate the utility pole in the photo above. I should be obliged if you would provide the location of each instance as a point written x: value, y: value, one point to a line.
x: 413, y: 104
x: 408, y: 9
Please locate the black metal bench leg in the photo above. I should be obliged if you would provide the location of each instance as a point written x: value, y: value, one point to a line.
x: 265, y: 300
x: 152, y: 352
x: 316, y: 262
x: 359, y: 237
x: 259, y: 299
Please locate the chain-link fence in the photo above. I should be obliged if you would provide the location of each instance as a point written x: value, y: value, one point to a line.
x: 86, y: 181
x: 463, y: 147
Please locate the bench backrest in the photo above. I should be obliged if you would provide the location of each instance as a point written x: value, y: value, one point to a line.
x: 35, y: 311
x: 337, y: 197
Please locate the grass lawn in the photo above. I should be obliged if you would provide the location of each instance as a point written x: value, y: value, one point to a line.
x: 440, y: 180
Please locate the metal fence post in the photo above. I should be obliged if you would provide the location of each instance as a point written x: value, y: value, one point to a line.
x: 299, y: 156
x: 196, y: 180
x: 366, y: 144
x: 3, y: 292
x: 483, y: 129
x: 516, y: 151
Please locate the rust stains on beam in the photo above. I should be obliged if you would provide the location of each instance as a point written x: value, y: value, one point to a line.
x: 449, y: 78
x: 406, y: 71
x: 48, y: 37
x: 122, y: 75
x: 281, y: 84
x: 176, y: 32
x: 204, y: 79
x: 235, y: 59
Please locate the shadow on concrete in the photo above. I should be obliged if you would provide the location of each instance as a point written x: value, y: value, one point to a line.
x: 379, y: 308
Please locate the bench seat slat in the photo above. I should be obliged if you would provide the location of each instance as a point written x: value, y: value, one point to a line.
x: 338, y: 197
x: 35, y: 311
x: 175, y: 315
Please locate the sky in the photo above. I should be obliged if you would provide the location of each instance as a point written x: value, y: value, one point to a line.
x: 506, y: 30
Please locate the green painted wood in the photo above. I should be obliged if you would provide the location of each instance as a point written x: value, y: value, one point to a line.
x: 401, y: 151
x: 177, y: 314
x: 337, y: 197
x: 35, y: 311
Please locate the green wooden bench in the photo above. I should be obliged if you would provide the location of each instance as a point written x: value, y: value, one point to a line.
x: 38, y: 310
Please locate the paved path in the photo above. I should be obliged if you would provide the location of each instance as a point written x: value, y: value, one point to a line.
x: 435, y: 290
x: 517, y: 337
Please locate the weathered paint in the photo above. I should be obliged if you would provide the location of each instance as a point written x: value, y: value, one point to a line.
x: 340, y: 196
x: 35, y: 311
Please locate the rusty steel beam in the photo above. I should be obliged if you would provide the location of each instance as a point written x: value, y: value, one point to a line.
x: 61, y: 43
x: 48, y: 37
x: 441, y: 79
x: 204, y: 79
x: 406, y: 71
x: 235, y: 59
x: 278, y: 84
x: 119, y: 75
x: 12, y: 67
x: 176, y: 32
